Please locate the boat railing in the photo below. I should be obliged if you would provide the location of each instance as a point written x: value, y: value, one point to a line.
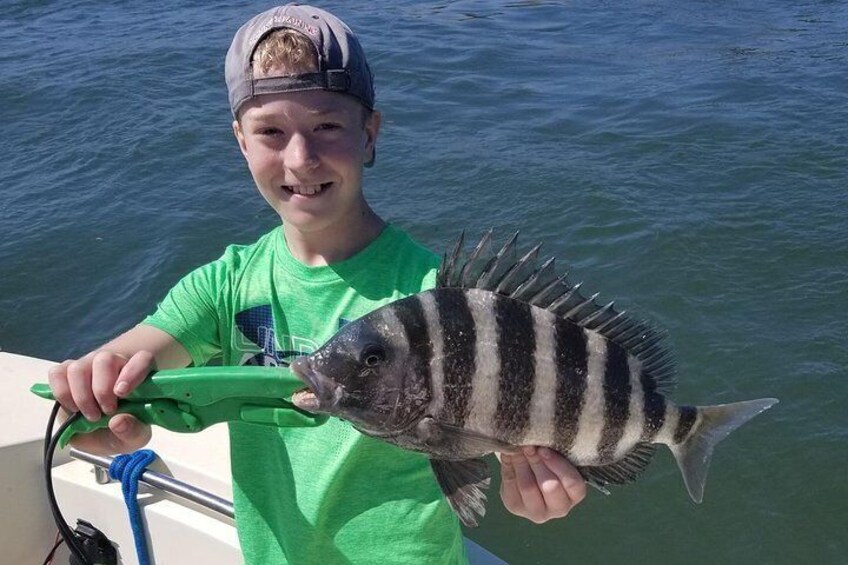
x: 159, y: 481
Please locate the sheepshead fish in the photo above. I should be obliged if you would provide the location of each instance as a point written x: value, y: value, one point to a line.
x: 504, y: 353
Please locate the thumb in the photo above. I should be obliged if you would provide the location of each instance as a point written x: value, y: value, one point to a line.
x: 124, y: 435
x: 129, y: 433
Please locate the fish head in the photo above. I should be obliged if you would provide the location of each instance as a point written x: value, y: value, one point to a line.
x: 365, y: 374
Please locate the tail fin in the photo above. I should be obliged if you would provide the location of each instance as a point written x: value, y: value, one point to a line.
x: 693, y: 455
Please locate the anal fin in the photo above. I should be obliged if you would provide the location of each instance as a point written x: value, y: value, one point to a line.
x: 621, y: 472
x: 464, y: 483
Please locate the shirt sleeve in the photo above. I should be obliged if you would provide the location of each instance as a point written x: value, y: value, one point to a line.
x: 190, y: 312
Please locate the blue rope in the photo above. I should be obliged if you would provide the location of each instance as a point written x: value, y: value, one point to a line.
x: 127, y: 469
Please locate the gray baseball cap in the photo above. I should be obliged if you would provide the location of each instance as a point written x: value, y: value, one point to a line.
x: 341, y: 61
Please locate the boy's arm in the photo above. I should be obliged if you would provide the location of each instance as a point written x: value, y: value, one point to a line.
x: 93, y: 384
x: 540, y: 484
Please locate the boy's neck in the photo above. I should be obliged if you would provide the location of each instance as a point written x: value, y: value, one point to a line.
x: 337, y: 242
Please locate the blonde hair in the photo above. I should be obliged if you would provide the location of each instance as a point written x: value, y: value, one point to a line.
x: 284, y: 52
x: 288, y: 52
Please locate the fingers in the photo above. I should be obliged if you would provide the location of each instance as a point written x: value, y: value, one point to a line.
x: 104, y: 368
x: 519, y: 491
x: 528, y: 485
x: 555, y: 500
x: 93, y: 384
x: 509, y: 487
x: 57, y: 377
x: 569, y: 477
x: 79, y: 381
x: 540, y: 484
x: 135, y: 371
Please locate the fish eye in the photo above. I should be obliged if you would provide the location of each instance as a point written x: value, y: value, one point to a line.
x: 372, y: 355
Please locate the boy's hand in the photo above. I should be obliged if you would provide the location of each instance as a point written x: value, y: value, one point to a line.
x: 92, y: 385
x: 540, y: 484
x: 125, y: 435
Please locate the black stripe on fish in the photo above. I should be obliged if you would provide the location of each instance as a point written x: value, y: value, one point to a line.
x: 410, y: 312
x: 459, y: 336
x: 516, y: 349
x: 654, y: 409
x: 571, y: 368
x: 617, y: 392
x: 688, y: 414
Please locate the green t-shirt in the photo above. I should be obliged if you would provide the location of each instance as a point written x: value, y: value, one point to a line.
x: 313, y: 495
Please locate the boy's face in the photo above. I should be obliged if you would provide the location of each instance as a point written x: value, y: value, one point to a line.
x: 306, y: 151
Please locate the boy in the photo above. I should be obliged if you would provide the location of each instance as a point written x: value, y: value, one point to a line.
x: 302, y: 99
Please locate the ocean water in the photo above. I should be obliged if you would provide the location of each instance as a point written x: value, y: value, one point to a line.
x: 689, y: 160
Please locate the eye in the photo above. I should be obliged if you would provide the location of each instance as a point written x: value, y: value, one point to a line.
x: 270, y: 131
x: 372, y: 355
x: 329, y: 126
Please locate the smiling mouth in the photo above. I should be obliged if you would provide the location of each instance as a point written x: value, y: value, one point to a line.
x: 307, y: 189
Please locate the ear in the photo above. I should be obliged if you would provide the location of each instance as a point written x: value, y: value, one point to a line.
x: 239, y: 133
x: 372, y: 130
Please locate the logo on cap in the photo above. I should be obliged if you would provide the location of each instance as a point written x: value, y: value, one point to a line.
x: 283, y: 21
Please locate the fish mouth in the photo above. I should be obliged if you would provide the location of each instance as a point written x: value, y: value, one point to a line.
x: 320, y: 394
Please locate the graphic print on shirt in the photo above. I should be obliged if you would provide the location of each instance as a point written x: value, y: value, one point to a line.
x: 257, y: 326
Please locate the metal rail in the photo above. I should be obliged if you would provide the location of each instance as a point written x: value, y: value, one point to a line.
x: 165, y: 483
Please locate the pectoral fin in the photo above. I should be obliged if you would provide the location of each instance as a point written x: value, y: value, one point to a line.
x: 456, y: 442
x: 463, y: 483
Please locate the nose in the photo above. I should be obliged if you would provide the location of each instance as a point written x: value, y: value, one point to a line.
x: 300, y: 153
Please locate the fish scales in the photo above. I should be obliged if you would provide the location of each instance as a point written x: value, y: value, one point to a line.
x: 487, y: 363
x: 389, y: 319
x: 685, y: 423
x: 617, y: 391
x: 541, y: 429
x: 517, y: 380
x: 591, y: 421
x: 571, y: 365
x: 635, y: 426
x: 669, y: 428
x: 429, y: 310
x: 460, y: 338
x: 503, y: 354
x: 386, y: 319
x: 502, y: 386
x: 410, y: 314
x: 653, y: 409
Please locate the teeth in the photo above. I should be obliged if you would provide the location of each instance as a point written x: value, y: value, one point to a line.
x: 306, y: 189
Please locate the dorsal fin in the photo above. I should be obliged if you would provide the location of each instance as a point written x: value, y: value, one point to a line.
x: 476, y: 262
x: 519, y: 272
x: 540, y: 278
x: 499, y: 266
x: 447, y: 271
x: 506, y: 274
